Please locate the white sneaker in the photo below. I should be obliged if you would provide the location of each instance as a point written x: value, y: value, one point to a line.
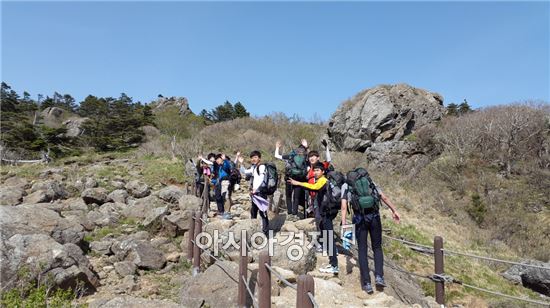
x: 329, y: 269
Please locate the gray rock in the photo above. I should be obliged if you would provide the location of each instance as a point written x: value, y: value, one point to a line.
x: 37, y: 219
x: 171, y: 194
x: 51, y: 189
x: 131, y: 302
x: 177, y: 223
x: 281, y: 256
x: 102, y: 247
x: 16, y: 181
x: 535, y: 279
x: 125, y: 268
x: 11, y: 195
x: 137, y: 189
x: 73, y: 126
x: 50, y: 172
x: 118, y: 195
x: 90, y: 183
x: 168, y: 103
x: 381, y: 114
x: 36, y: 197
x: 215, y: 287
x: 140, y: 207
x: 141, y: 253
x: 153, y: 220
x: 43, y: 256
x: 94, y: 195
x: 189, y: 203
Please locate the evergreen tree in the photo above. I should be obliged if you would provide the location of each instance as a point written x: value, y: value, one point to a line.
x: 452, y: 109
x: 240, y: 111
x: 464, y: 107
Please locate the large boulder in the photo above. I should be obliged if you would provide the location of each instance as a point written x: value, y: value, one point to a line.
x: 139, y: 208
x: 153, y: 219
x: 37, y: 219
x: 73, y: 125
x: 140, y: 252
x: 189, y: 203
x: 41, y: 256
x: 215, y: 287
x: 383, y: 113
x: 95, y: 195
x: 293, y: 255
x: 118, y: 195
x: 11, y: 195
x: 171, y: 194
x: 180, y: 104
x: 138, y: 189
x: 46, y: 191
x: 177, y: 223
x: 533, y: 278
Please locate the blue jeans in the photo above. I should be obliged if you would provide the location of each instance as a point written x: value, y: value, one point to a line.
x: 365, y: 224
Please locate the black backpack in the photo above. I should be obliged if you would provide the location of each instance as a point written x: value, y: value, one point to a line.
x: 333, y: 193
x: 297, y: 168
x: 271, y: 179
x: 235, y: 176
x: 364, y: 196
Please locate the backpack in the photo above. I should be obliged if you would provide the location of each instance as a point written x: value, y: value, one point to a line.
x: 333, y: 194
x: 298, y: 164
x: 364, y: 195
x: 234, y: 174
x: 271, y: 179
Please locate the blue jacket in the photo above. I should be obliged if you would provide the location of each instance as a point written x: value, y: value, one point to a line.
x: 222, y: 171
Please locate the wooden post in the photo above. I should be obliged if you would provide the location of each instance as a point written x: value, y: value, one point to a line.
x: 243, y: 271
x: 206, y: 197
x: 196, y: 249
x: 439, y: 269
x: 191, y: 234
x: 305, y: 284
x: 264, y: 281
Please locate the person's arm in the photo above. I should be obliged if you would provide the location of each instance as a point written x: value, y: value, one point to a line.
x: 388, y: 202
x: 207, y: 161
x: 344, y: 209
x: 277, y: 147
x: 315, y: 186
x: 329, y: 158
x: 258, y: 178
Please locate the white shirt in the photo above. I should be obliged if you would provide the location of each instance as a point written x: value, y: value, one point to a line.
x: 257, y: 179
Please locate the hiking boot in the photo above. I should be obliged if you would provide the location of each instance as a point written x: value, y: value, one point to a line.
x: 319, y: 249
x: 329, y: 269
x: 379, y: 281
x: 226, y: 216
x: 368, y: 288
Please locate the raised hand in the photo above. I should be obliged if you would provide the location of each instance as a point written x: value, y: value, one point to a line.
x: 223, y: 156
x: 304, y: 143
x: 241, y: 159
x: 278, y: 144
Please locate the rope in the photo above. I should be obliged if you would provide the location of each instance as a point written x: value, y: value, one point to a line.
x: 286, y: 282
x: 493, y: 259
x: 254, y: 302
x: 312, y: 299
x: 547, y: 304
x: 407, y: 242
x: 451, y: 252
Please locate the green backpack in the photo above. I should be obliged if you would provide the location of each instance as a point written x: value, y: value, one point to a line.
x: 298, y: 165
x: 364, y: 195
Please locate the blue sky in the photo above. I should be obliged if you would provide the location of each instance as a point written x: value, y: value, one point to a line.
x: 293, y: 57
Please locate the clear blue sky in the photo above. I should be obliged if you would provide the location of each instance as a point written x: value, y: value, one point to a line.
x: 292, y: 57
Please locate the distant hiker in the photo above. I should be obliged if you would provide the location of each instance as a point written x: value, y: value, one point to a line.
x: 296, y: 168
x: 203, y: 176
x: 365, y: 197
x: 328, y: 207
x: 222, y: 169
x: 257, y: 173
x: 234, y: 181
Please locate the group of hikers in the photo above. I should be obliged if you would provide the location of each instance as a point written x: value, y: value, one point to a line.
x: 310, y: 184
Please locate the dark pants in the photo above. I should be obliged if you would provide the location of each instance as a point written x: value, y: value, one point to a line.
x: 220, y: 199
x: 365, y: 224
x: 254, y: 214
x: 327, y: 229
x: 295, y: 196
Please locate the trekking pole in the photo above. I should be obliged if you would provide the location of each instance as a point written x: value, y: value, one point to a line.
x: 306, y: 285
x: 264, y: 281
x: 439, y: 270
